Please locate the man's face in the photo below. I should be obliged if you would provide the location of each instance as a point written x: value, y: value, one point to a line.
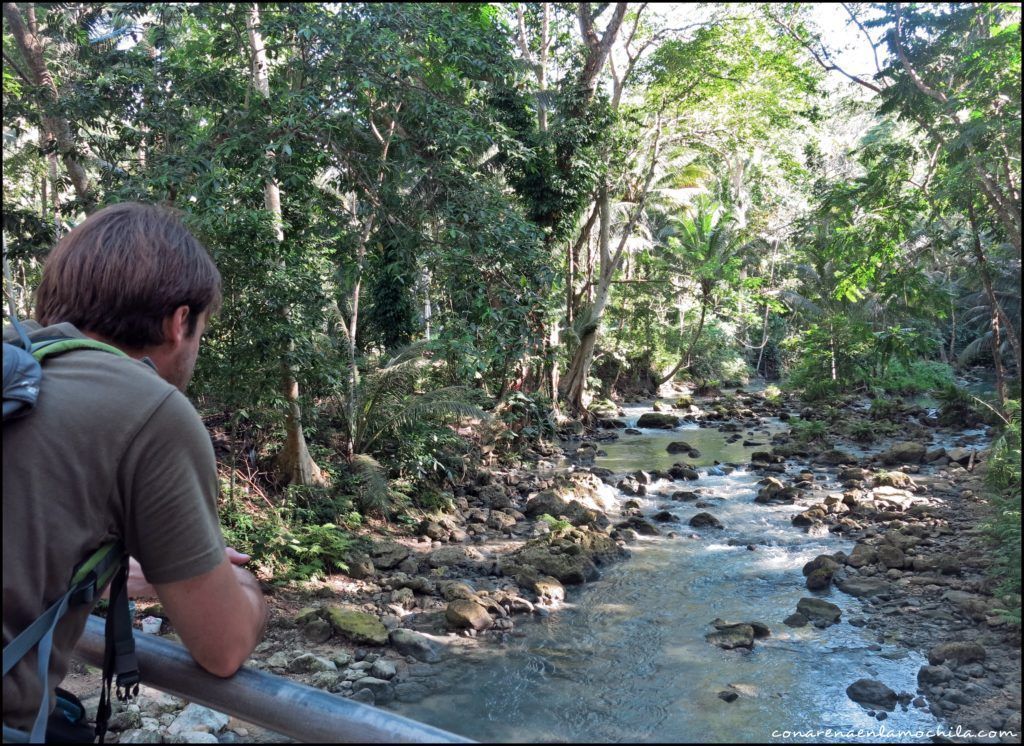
x: 183, y: 362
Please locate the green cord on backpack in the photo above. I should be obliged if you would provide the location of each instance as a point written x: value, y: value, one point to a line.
x: 22, y: 382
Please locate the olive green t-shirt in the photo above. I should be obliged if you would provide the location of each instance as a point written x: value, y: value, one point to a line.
x: 110, y: 450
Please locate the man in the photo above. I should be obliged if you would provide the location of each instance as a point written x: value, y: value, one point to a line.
x: 113, y: 449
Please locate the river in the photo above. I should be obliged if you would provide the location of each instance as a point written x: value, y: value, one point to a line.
x: 625, y: 659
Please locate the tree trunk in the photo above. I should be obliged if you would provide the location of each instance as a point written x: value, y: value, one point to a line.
x: 685, y: 360
x: 31, y: 47
x: 1001, y: 318
x: 574, y: 385
x: 294, y: 461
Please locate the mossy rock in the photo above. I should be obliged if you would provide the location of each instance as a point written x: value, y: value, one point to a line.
x: 358, y: 626
x: 658, y: 420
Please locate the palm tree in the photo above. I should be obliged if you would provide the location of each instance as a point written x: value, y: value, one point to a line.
x: 704, y: 248
x: 384, y: 401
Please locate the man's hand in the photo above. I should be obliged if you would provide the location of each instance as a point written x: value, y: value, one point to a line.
x: 139, y: 587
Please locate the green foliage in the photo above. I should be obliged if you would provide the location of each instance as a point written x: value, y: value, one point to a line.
x: 957, y: 406
x: 809, y: 431
x: 1003, y: 479
x: 286, y: 540
x: 915, y: 377
x: 556, y: 525
x: 525, y: 420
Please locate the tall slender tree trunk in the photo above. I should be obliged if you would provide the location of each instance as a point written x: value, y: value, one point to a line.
x: 31, y: 47
x: 294, y: 461
x: 687, y: 357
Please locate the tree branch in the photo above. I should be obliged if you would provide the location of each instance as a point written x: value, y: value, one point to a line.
x: 901, y: 53
x: 823, y: 58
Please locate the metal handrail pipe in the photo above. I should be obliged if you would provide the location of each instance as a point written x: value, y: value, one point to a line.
x: 307, y: 714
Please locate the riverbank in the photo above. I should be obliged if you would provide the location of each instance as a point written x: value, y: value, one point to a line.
x: 475, y: 577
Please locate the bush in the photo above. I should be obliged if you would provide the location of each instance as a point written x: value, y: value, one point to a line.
x: 916, y: 377
x: 523, y: 420
x: 809, y: 431
x: 287, y: 541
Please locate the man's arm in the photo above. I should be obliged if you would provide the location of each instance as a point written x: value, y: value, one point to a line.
x: 220, y: 615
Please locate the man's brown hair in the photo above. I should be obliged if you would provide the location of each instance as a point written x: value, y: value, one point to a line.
x: 123, y: 271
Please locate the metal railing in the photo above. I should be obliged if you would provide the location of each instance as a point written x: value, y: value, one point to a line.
x: 295, y: 710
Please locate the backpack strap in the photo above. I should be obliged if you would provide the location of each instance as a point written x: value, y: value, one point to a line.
x: 51, y: 347
x: 109, y: 561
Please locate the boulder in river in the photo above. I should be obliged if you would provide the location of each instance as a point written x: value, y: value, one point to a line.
x: 685, y: 496
x: 421, y: 647
x: 732, y: 636
x: 463, y: 613
x: 873, y: 694
x: 705, y: 520
x: 906, y: 452
x: 835, y: 457
x: 659, y: 420
x: 680, y: 471
x: 816, y: 609
x: 681, y: 446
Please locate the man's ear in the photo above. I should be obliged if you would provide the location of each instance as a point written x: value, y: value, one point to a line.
x: 176, y: 325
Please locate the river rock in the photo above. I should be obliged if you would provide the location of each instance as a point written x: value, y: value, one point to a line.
x: 382, y: 690
x: 419, y: 646
x: 629, y: 486
x: 360, y: 566
x: 549, y: 590
x: 705, y: 520
x: 892, y: 479
x: 357, y: 626
x: 906, y: 452
x: 663, y: 516
x: 388, y: 554
x: 463, y: 613
x: 958, y: 652
x: 819, y: 579
x: 685, y: 496
x: 959, y: 455
x: 310, y: 663
x: 198, y: 718
x: 891, y: 557
x: 659, y: 420
x: 851, y: 474
x: 502, y: 521
x: 816, y: 609
x: 640, y: 525
x: 795, y: 620
x: 383, y: 668
x: 862, y: 555
x: 932, y: 675
x: 872, y: 694
x: 678, y: 471
x: 457, y: 556
x: 821, y: 562
x: 835, y: 457
x: 317, y: 630
x: 570, y: 556
x: 681, y: 446
x: 433, y: 530
x: 863, y: 587
x: 732, y: 636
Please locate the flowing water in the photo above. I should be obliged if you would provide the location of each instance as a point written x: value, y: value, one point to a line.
x: 625, y: 660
